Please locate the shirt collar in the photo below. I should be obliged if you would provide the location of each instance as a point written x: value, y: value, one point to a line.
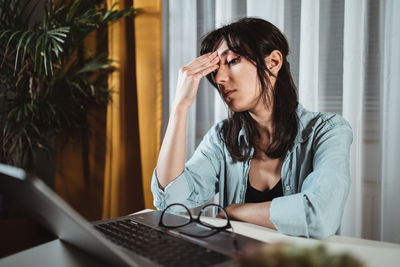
x: 304, y: 131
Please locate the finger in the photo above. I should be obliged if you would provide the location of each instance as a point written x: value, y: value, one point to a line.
x: 200, y: 58
x: 207, y: 70
x: 210, y: 58
x: 215, y: 60
x: 204, y: 60
x: 209, y: 63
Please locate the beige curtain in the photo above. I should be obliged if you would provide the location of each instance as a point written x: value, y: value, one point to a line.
x: 149, y: 83
x: 123, y: 192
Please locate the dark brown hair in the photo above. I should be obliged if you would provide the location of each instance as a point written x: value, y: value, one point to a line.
x: 255, y: 39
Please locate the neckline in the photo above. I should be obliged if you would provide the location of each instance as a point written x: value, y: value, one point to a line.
x: 279, y: 183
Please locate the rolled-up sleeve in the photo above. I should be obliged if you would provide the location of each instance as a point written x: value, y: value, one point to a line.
x: 316, y: 211
x: 198, y: 183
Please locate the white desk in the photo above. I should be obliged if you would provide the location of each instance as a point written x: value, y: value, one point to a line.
x: 372, y: 253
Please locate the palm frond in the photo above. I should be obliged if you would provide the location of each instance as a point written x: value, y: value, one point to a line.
x: 48, y: 81
x: 8, y: 44
x: 96, y: 63
x: 21, y: 39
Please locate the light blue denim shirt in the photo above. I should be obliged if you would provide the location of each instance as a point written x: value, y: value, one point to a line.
x: 315, y: 176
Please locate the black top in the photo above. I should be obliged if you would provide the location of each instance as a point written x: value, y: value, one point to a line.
x: 255, y: 196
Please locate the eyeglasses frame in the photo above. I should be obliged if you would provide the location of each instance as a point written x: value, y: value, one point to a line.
x: 197, y: 220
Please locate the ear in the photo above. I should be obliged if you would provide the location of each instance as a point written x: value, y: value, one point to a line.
x: 274, y: 61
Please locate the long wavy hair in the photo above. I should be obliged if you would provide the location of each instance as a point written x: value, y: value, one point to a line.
x: 255, y: 39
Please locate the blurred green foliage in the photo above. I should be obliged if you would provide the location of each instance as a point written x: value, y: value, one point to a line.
x: 49, y: 80
x: 288, y: 255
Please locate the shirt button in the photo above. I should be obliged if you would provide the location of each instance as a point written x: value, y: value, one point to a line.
x: 287, y: 187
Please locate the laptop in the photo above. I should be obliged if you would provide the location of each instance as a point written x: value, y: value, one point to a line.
x: 133, y: 240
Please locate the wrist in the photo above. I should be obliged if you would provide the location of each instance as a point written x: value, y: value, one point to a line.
x: 180, y: 107
x: 232, y: 211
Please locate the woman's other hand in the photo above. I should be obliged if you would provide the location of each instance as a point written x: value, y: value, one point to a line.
x: 189, y: 78
x: 256, y: 213
x: 230, y: 210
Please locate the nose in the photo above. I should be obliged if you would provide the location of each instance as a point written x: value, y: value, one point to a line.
x: 222, y: 75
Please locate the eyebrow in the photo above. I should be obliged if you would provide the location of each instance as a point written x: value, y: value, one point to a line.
x: 224, y: 52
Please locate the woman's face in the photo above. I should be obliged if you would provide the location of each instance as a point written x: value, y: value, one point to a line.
x: 237, y: 80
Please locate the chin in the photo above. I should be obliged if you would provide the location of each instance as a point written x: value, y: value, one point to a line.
x: 236, y: 108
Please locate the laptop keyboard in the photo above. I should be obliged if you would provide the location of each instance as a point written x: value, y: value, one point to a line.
x: 158, y: 246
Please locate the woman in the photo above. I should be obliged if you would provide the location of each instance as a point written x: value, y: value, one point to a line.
x: 273, y: 162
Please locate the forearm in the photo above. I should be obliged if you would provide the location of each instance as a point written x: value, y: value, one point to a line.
x: 171, y: 160
x: 256, y: 213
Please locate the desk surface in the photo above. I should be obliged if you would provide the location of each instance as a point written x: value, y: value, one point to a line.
x: 372, y: 253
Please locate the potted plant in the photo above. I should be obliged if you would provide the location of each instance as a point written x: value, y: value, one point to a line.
x: 49, y: 80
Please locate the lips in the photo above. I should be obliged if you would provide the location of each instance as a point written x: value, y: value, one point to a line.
x: 228, y: 93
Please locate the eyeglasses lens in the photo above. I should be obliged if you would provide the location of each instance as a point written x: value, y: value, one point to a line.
x: 207, y: 214
x: 174, y: 221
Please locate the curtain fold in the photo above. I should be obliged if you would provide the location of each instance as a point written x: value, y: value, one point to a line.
x: 182, y: 49
x: 123, y: 192
x: 309, y: 54
x: 271, y: 10
x: 390, y: 130
x: 149, y: 88
x: 353, y: 91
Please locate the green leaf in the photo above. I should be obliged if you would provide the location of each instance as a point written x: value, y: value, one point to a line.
x: 49, y: 49
x: 19, y: 115
x: 52, y: 109
x: 18, y: 48
x: 56, y: 48
x: 27, y: 137
x: 77, y: 86
x: 72, y: 11
x: 11, y: 112
x: 59, y: 34
x: 62, y: 31
x: 92, y: 67
x: 8, y: 43
x: 110, y: 11
x: 30, y: 107
x: 28, y: 40
x: 4, y: 33
x: 93, y: 64
x: 44, y: 58
x: 57, y: 39
x: 38, y: 44
x: 36, y: 129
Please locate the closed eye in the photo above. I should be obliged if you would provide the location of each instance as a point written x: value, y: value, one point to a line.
x: 233, y: 61
x: 229, y: 63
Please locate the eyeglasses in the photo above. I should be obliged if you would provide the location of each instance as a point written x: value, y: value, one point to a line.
x: 211, y: 227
